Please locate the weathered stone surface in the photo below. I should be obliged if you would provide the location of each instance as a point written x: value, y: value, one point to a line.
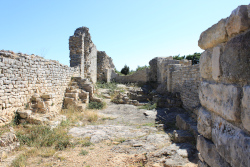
x: 216, y: 68
x: 209, y: 154
x: 245, y: 116
x: 214, y: 35
x: 204, y: 123
x: 25, y: 113
x: 7, y: 138
x: 238, y: 21
x: 185, y: 122
x: 202, y: 164
x: 206, y: 64
x: 182, y: 136
x: 236, y: 59
x: 231, y: 142
x: 221, y: 99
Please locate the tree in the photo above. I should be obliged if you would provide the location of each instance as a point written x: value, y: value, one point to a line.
x: 195, y: 58
x: 125, y: 70
x: 178, y: 57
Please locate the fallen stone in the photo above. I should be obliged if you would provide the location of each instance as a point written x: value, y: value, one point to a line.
x: 24, y: 114
x: 182, y: 136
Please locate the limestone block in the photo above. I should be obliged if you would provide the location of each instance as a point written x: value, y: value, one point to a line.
x: 47, y: 96
x: 238, y: 21
x: 231, y: 142
x: 245, y: 116
x: 205, y: 123
x: 40, y: 104
x: 209, y: 154
x: 24, y: 114
x: 214, y: 35
x: 216, y: 68
x: 235, y: 59
x: 221, y: 99
x: 206, y: 64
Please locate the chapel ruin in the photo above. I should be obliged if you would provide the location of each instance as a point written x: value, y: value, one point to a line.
x: 215, y: 93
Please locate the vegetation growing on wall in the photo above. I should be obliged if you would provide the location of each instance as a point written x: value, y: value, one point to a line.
x: 194, y: 57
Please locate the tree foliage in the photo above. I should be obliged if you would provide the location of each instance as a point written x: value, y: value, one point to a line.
x: 125, y: 70
x: 194, y: 57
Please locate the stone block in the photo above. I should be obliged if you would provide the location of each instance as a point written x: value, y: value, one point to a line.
x: 182, y: 136
x: 209, y: 154
x: 245, y: 116
x: 216, y: 68
x: 231, y: 142
x: 206, y: 64
x: 24, y: 114
x: 221, y: 99
x: 213, y: 36
x: 40, y: 104
x: 235, y: 59
x: 205, y: 123
x: 238, y: 21
x: 47, y: 96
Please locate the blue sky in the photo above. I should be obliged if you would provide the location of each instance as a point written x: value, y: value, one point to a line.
x: 132, y: 32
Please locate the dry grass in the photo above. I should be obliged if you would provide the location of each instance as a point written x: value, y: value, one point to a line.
x: 75, y: 115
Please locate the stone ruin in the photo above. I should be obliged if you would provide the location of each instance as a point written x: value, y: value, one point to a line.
x: 216, y: 93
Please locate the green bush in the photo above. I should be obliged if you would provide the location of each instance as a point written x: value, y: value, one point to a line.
x: 96, y: 105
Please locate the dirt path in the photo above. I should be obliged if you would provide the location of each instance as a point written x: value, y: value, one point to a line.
x: 126, y: 137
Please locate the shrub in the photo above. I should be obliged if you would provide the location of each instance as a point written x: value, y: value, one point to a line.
x: 141, y: 67
x: 83, y: 152
x: 149, y: 106
x: 43, y: 136
x: 96, y: 105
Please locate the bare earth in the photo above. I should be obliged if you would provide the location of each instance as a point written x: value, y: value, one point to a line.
x: 127, y: 138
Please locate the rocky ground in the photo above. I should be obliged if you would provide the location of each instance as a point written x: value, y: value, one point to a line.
x: 126, y: 136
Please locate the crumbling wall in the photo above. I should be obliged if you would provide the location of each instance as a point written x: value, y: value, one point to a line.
x: 104, y: 62
x: 140, y: 76
x: 83, y: 53
x: 23, y: 75
x: 224, y: 118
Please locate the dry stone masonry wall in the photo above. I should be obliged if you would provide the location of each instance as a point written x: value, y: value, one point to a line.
x: 224, y: 118
x: 104, y: 63
x: 83, y: 53
x: 22, y: 76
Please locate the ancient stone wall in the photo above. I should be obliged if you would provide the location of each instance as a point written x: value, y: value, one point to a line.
x: 140, y: 76
x: 104, y: 62
x: 83, y: 53
x: 224, y: 118
x: 23, y: 75
x: 186, y: 81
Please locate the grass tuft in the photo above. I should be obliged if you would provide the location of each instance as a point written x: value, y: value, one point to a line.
x: 149, y: 106
x: 83, y: 152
